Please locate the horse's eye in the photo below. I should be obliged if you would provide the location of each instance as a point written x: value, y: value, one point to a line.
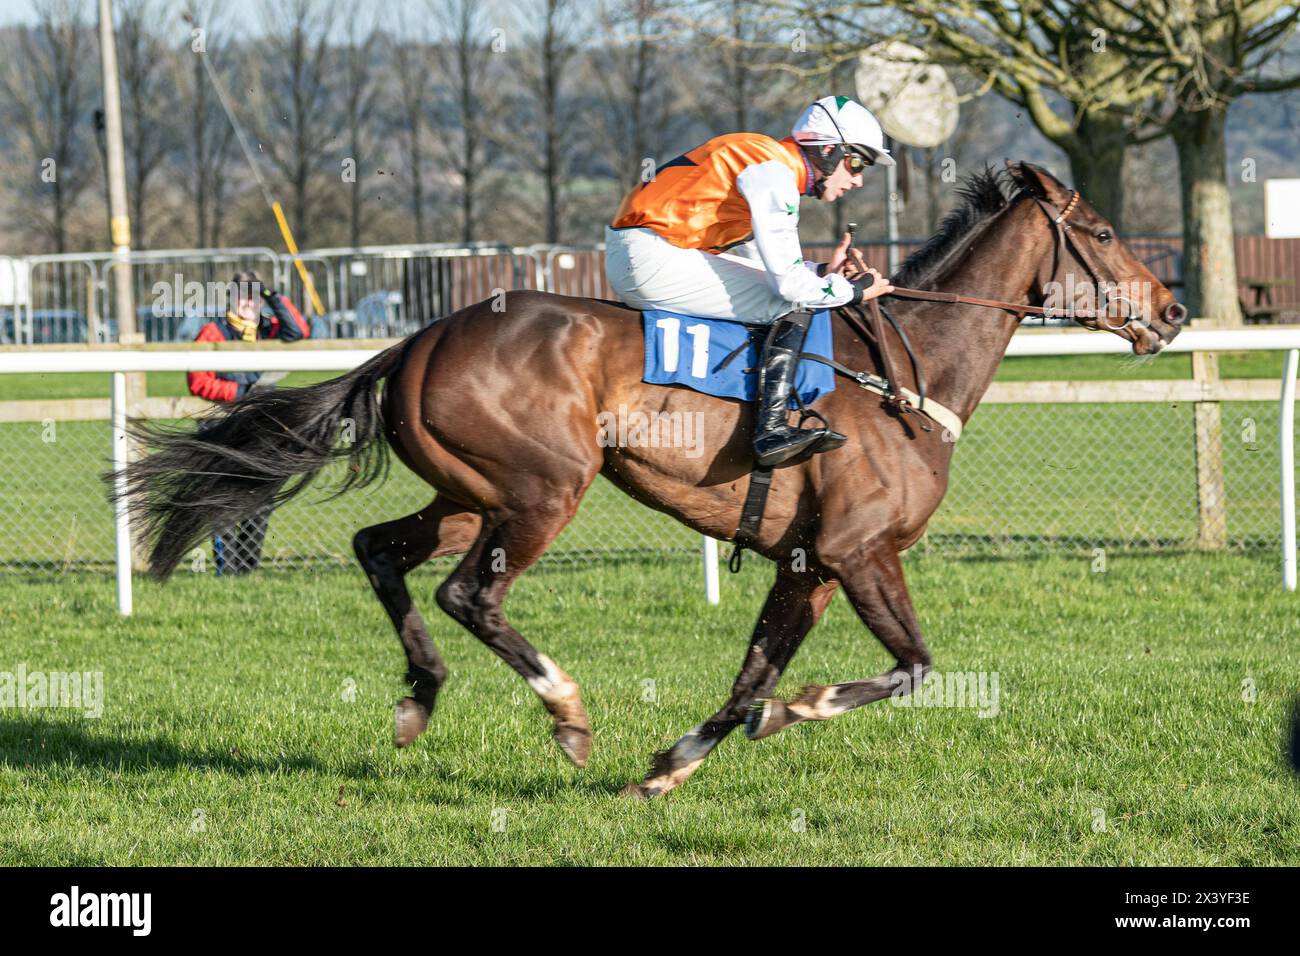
x: 1103, y: 236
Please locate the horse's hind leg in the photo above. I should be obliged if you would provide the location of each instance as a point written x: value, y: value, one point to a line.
x: 387, y: 552
x: 793, y: 606
x: 873, y: 583
x: 473, y: 595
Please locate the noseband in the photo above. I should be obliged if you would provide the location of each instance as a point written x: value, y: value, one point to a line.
x: 1060, y: 220
x: 873, y: 329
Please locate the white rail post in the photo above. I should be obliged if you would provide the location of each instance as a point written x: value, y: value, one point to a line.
x: 711, y: 592
x: 121, y: 516
x: 1287, y: 448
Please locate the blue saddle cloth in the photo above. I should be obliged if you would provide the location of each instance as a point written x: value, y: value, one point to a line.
x: 685, y: 350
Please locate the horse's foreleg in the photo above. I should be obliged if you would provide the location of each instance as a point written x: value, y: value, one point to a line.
x: 473, y: 596
x: 873, y: 583
x: 793, y: 606
x: 387, y: 552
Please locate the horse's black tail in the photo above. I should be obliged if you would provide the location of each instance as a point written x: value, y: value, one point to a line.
x: 254, y: 457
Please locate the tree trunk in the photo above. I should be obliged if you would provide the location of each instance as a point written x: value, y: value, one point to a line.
x: 1209, y: 265
x: 354, y: 214
x: 300, y: 203
x: 198, y: 132
x: 466, y: 66
x: 551, y: 161
x: 415, y: 157
x: 1097, y: 164
x: 932, y: 216
x: 467, y: 205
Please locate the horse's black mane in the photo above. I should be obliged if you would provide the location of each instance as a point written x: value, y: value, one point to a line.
x: 984, y: 194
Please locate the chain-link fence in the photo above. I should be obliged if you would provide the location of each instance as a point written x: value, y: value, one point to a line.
x: 1027, y: 479
x: 54, y: 515
x: 1073, y: 478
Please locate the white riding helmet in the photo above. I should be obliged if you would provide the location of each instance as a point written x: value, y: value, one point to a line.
x: 840, y: 120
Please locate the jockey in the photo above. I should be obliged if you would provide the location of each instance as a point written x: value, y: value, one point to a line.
x: 715, y: 234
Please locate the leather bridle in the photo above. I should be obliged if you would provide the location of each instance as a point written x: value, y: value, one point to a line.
x: 873, y: 329
x: 1065, y: 244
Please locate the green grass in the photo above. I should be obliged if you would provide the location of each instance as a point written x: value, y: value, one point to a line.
x: 91, y: 385
x: 1121, y: 693
x: 1094, y: 368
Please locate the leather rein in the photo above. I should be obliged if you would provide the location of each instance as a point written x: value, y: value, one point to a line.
x: 869, y: 325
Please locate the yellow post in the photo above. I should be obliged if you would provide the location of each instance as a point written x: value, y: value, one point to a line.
x: 293, y: 251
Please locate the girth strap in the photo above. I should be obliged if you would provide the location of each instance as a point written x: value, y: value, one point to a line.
x: 751, y: 513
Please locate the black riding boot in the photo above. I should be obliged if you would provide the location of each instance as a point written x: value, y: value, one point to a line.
x: 775, y: 440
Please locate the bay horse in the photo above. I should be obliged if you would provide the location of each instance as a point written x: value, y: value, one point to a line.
x: 496, y: 408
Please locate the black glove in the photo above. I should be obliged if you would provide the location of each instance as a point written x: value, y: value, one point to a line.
x: 860, y: 284
x: 266, y: 316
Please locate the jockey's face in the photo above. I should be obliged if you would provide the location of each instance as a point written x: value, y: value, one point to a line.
x: 841, y: 180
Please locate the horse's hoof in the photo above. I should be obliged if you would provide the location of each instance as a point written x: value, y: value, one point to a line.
x: 638, y: 791
x: 575, y: 742
x: 409, y: 720
x: 764, y: 718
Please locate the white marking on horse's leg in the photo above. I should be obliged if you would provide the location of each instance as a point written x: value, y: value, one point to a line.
x: 673, y: 766
x: 552, y: 685
x: 560, y: 693
x: 816, y: 703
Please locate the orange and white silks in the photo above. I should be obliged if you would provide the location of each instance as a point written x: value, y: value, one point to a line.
x: 693, y: 200
x: 715, y: 233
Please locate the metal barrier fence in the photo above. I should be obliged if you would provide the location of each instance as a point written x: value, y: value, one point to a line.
x: 378, y: 291
x: 51, y: 299
x: 367, y: 292
x: 371, y: 291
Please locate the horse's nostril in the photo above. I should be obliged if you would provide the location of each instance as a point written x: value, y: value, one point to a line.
x: 1175, y: 313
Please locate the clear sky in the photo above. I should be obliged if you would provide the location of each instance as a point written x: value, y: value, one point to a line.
x: 20, y: 11
x: 247, y: 13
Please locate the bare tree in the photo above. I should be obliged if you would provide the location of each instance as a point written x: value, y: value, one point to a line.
x: 290, y: 105
x: 632, y: 73
x: 407, y: 53
x: 47, y: 88
x: 1098, y: 77
x: 1207, y: 53
x: 359, y: 94
x: 726, y: 45
x: 205, y: 156
x: 148, y: 103
x: 463, y: 57
x: 1045, y: 57
x: 543, y: 141
x: 739, y: 70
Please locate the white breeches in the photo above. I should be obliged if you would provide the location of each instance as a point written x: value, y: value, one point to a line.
x: 648, y: 272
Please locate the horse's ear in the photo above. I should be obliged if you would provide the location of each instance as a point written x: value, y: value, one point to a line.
x: 1038, y: 181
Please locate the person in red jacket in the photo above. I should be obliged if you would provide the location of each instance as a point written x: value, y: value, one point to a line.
x: 257, y: 312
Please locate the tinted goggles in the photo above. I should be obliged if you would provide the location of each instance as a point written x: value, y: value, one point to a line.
x: 856, y: 160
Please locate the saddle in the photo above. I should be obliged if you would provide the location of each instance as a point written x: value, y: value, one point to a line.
x: 679, y: 350
x: 719, y: 357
